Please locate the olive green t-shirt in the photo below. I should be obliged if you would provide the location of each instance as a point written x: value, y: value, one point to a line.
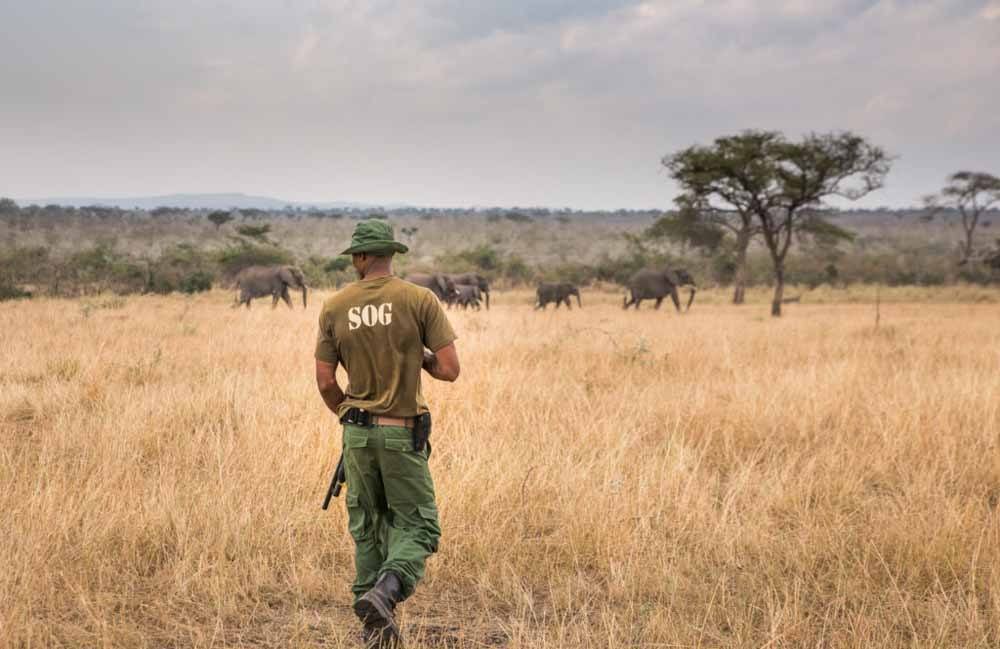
x: 377, y: 329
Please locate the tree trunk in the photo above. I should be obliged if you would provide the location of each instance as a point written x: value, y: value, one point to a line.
x: 740, y: 278
x: 967, y: 251
x: 969, y: 222
x: 779, y: 290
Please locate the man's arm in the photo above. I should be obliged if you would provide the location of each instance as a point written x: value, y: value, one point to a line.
x: 326, y: 381
x: 443, y: 364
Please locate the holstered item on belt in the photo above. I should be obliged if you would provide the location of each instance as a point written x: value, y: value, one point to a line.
x: 422, y: 432
x: 358, y: 417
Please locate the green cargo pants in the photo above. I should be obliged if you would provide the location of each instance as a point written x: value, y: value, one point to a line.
x: 390, y: 506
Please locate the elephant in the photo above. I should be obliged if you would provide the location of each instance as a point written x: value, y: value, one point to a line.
x: 468, y: 296
x: 558, y: 293
x: 258, y: 281
x: 657, y: 284
x: 441, y: 285
x: 474, y: 279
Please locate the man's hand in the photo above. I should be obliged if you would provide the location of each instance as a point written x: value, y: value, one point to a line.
x: 326, y: 381
x: 442, y: 364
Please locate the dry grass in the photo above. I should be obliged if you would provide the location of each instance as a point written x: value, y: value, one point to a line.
x: 605, y: 479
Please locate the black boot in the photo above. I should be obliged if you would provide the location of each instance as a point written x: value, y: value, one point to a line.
x: 375, y: 608
x: 379, y: 637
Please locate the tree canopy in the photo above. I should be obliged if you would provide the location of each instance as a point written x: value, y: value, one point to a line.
x: 780, y: 184
x: 971, y: 193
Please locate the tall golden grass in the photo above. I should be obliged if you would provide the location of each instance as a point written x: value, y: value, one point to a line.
x: 605, y: 479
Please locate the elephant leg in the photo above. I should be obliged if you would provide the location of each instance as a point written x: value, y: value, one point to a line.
x: 638, y: 303
x: 569, y: 305
x: 286, y: 297
x: 659, y: 301
x: 677, y: 302
x: 274, y: 299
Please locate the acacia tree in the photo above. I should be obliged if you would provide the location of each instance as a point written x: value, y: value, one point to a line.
x: 971, y: 193
x: 220, y: 218
x: 781, y: 184
x: 8, y: 206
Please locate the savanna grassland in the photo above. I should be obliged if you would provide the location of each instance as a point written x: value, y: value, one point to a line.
x: 605, y: 479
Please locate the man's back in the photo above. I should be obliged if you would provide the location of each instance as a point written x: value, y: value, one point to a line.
x: 377, y: 329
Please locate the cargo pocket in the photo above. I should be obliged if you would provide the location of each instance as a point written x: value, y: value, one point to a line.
x: 399, y: 444
x: 355, y: 437
x: 357, y: 519
x: 429, y: 519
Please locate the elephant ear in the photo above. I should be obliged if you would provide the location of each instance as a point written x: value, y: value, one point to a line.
x: 287, y: 275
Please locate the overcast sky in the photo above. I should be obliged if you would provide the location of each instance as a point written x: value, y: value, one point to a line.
x: 477, y: 102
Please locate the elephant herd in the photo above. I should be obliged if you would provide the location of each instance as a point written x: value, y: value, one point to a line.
x: 465, y: 290
x: 469, y: 290
x: 649, y: 284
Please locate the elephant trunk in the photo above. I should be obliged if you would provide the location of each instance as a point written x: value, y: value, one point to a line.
x: 304, y: 305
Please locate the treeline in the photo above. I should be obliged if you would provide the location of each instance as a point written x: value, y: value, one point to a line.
x: 188, y: 268
x: 55, y: 213
x: 183, y: 268
x: 187, y: 260
x: 48, y: 215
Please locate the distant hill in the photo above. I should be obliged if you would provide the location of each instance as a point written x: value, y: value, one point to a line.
x: 192, y: 201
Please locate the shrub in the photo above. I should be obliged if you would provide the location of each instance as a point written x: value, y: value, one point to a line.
x: 220, y: 218
x: 337, y: 264
x: 196, y: 282
x: 723, y: 269
x: 258, y: 232
x: 326, y: 272
x: 180, y: 268
x: 8, y: 206
x: 101, y: 268
x: 11, y: 292
x: 619, y: 269
x: 482, y: 257
x: 22, y: 265
x: 579, y: 274
x: 517, y: 271
x: 235, y: 258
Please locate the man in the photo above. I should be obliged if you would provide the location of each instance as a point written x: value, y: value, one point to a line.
x: 377, y: 328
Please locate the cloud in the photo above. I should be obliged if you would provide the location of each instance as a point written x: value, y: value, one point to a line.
x: 449, y: 102
x: 305, y: 48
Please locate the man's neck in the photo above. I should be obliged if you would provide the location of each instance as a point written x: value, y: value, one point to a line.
x: 379, y: 270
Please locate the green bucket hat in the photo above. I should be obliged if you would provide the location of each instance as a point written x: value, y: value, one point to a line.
x: 373, y: 235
